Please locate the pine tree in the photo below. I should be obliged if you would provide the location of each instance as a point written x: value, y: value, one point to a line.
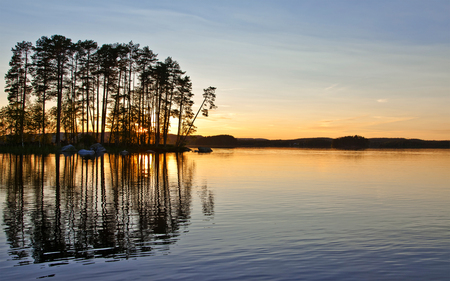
x: 60, y: 48
x: 43, y: 77
x: 17, y: 84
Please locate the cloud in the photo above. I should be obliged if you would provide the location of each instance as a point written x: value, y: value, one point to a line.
x: 382, y: 100
x: 331, y: 87
x: 387, y: 120
x: 344, y: 119
x: 360, y: 123
x: 214, y: 116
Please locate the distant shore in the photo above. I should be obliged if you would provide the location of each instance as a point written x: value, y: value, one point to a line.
x: 227, y: 141
x: 379, y: 143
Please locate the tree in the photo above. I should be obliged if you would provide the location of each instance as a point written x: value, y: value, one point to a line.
x: 161, y: 75
x: 118, y: 110
x: 184, y: 101
x: 60, y: 48
x: 43, y: 76
x: 6, y: 123
x: 36, y: 120
x: 174, y: 73
x: 350, y: 142
x: 145, y: 60
x: 86, y: 53
x: 119, y: 86
x: 71, y: 104
x: 107, y: 60
x: 209, y: 97
x: 17, y: 83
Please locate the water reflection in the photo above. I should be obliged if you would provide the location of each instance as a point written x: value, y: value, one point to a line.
x: 60, y: 208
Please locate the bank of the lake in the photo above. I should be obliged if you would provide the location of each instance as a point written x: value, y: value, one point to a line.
x: 52, y: 149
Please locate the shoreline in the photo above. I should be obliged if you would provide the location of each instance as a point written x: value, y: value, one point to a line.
x: 30, y: 150
x: 113, y: 149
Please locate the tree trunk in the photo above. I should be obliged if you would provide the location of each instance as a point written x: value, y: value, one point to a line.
x: 105, y: 93
x: 59, y: 102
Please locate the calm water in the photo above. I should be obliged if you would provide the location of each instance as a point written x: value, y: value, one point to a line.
x: 234, y: 214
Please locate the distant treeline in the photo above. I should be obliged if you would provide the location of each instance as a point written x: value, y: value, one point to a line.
x: 120, y: 88
x: 349, y: 142
x: 407, y: 143
x: 221, y: 140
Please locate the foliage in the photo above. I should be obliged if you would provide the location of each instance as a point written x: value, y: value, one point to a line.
x: 351, y: 142
x: 220, y: 140
x: 87, y: 139
x: 408, y: 143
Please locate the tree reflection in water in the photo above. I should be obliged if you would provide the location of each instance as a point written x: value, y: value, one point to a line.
x: 60, y: 208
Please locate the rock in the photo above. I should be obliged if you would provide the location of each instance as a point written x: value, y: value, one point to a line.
x: 98, y: 148
x: 204, y: 149
x: 86, y: 153
x: 68, y: 148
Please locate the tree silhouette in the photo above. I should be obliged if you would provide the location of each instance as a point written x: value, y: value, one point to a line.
x: 43, y: 76
x: 17, y: 84
x: 85, y: 73
x: 209, y: 98
x: 350, y: 142
x: 184, y: 101
x: 60, y: 48
x: 122, y: 88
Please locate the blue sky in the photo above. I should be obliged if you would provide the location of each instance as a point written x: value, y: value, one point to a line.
x: 283, y: 69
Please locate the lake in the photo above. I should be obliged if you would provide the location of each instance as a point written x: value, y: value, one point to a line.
x: 234, y: 214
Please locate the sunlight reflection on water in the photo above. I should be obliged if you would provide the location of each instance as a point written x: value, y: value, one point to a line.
x: 255, y: 214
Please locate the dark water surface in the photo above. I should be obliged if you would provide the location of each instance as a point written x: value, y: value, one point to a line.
x: 234, y: 214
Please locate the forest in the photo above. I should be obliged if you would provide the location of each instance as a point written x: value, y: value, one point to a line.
x: 60, y: 91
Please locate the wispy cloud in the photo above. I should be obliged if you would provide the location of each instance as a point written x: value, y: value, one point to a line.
x: 359, y: 123
x: 344, y: 119
x: 386, y: 120
x: 331, y: 87
x: 214, y: 116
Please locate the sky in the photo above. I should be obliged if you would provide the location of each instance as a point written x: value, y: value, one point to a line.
x: 283, y: 69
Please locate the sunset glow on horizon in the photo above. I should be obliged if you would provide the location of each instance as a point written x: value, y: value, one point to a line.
x: 282, y: 69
